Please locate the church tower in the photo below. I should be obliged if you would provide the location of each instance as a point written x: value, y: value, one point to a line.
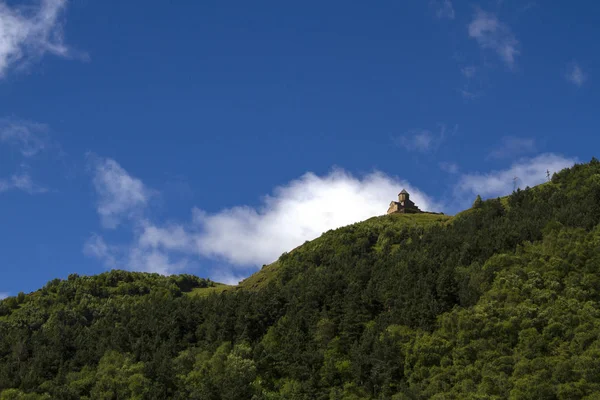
x: 404, y: 205
x: 403, y: 196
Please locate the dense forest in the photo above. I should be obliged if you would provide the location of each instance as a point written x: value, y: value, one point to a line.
x: 499, y: 301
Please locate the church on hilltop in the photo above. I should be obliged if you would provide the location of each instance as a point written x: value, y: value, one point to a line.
x: 404, y: 205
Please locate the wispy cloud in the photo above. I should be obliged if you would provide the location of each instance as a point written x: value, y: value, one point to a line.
x: 529, y: 172
x: 243, y: 236
x: 575, y: 75
x: 492, y: 34
x: 21, y: 181
x: 417, y: 140
x: 28, y: 33
x: 28, y: 137
x: 120, y: 196
x: 134, y: 256
x: 443, y: 9
x: 96, y: 247
x: 449, y: 167
x: 472, y: 82
x: 423, y: 140
x: 4, y: 295
x: 513, y: 146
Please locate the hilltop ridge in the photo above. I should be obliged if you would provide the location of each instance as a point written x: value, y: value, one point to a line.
x: 499, y: 301
x: 373, y: 225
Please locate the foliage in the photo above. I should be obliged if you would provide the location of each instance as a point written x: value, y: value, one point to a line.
x: 500, y: 301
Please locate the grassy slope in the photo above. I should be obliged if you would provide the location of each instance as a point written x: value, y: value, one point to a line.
x: 269, y: 272
x: 218, y: 288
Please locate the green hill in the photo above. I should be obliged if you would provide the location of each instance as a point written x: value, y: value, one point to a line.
x: 500, y: 301
x: 375, y: 225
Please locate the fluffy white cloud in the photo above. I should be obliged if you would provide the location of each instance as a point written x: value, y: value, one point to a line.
x: 246, y: 237
x: 299, y: 211
x: 29, y: 137
x: 530, y: 172
x: 119, y: 195
x: 173, y: 237
x: 513, y: 146
x: 575, y: 75
x: 242, y: 236
x: 492, y: 34
x: 28, y: 33
x: 154, y: 260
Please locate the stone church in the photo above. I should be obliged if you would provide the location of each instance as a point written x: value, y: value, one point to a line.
x: 404, y: 205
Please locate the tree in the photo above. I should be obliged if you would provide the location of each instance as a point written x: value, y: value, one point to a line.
x: 118, y: 377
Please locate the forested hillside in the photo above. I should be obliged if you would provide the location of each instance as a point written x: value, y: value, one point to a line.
x: 500, y: 301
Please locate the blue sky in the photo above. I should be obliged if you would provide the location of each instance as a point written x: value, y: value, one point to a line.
x: 210, y: 137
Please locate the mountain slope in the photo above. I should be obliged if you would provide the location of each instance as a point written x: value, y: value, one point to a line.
x: 500, y: 301
x: 375, y: 225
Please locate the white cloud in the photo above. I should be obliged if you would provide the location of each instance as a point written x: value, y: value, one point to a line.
x: 246, y: 236
x: 492, y: 34
x: 443, y: 9
x: 120, y: 195
x: 28, y: 33
x: 302, y: 210
x: 135, y: 257
x: 154, y: 260
x: 21, y: 181
x: 96, y: 247
x: 530, y: 172
x: 513, y: 146
x: 172, y: 237
x: 223, y: 275
x: 123, y: 197
x: 29, y: 137
x: 4, y: 295
x: 575, y: 75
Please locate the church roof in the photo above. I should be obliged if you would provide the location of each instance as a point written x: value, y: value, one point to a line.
x: 404, y: 191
